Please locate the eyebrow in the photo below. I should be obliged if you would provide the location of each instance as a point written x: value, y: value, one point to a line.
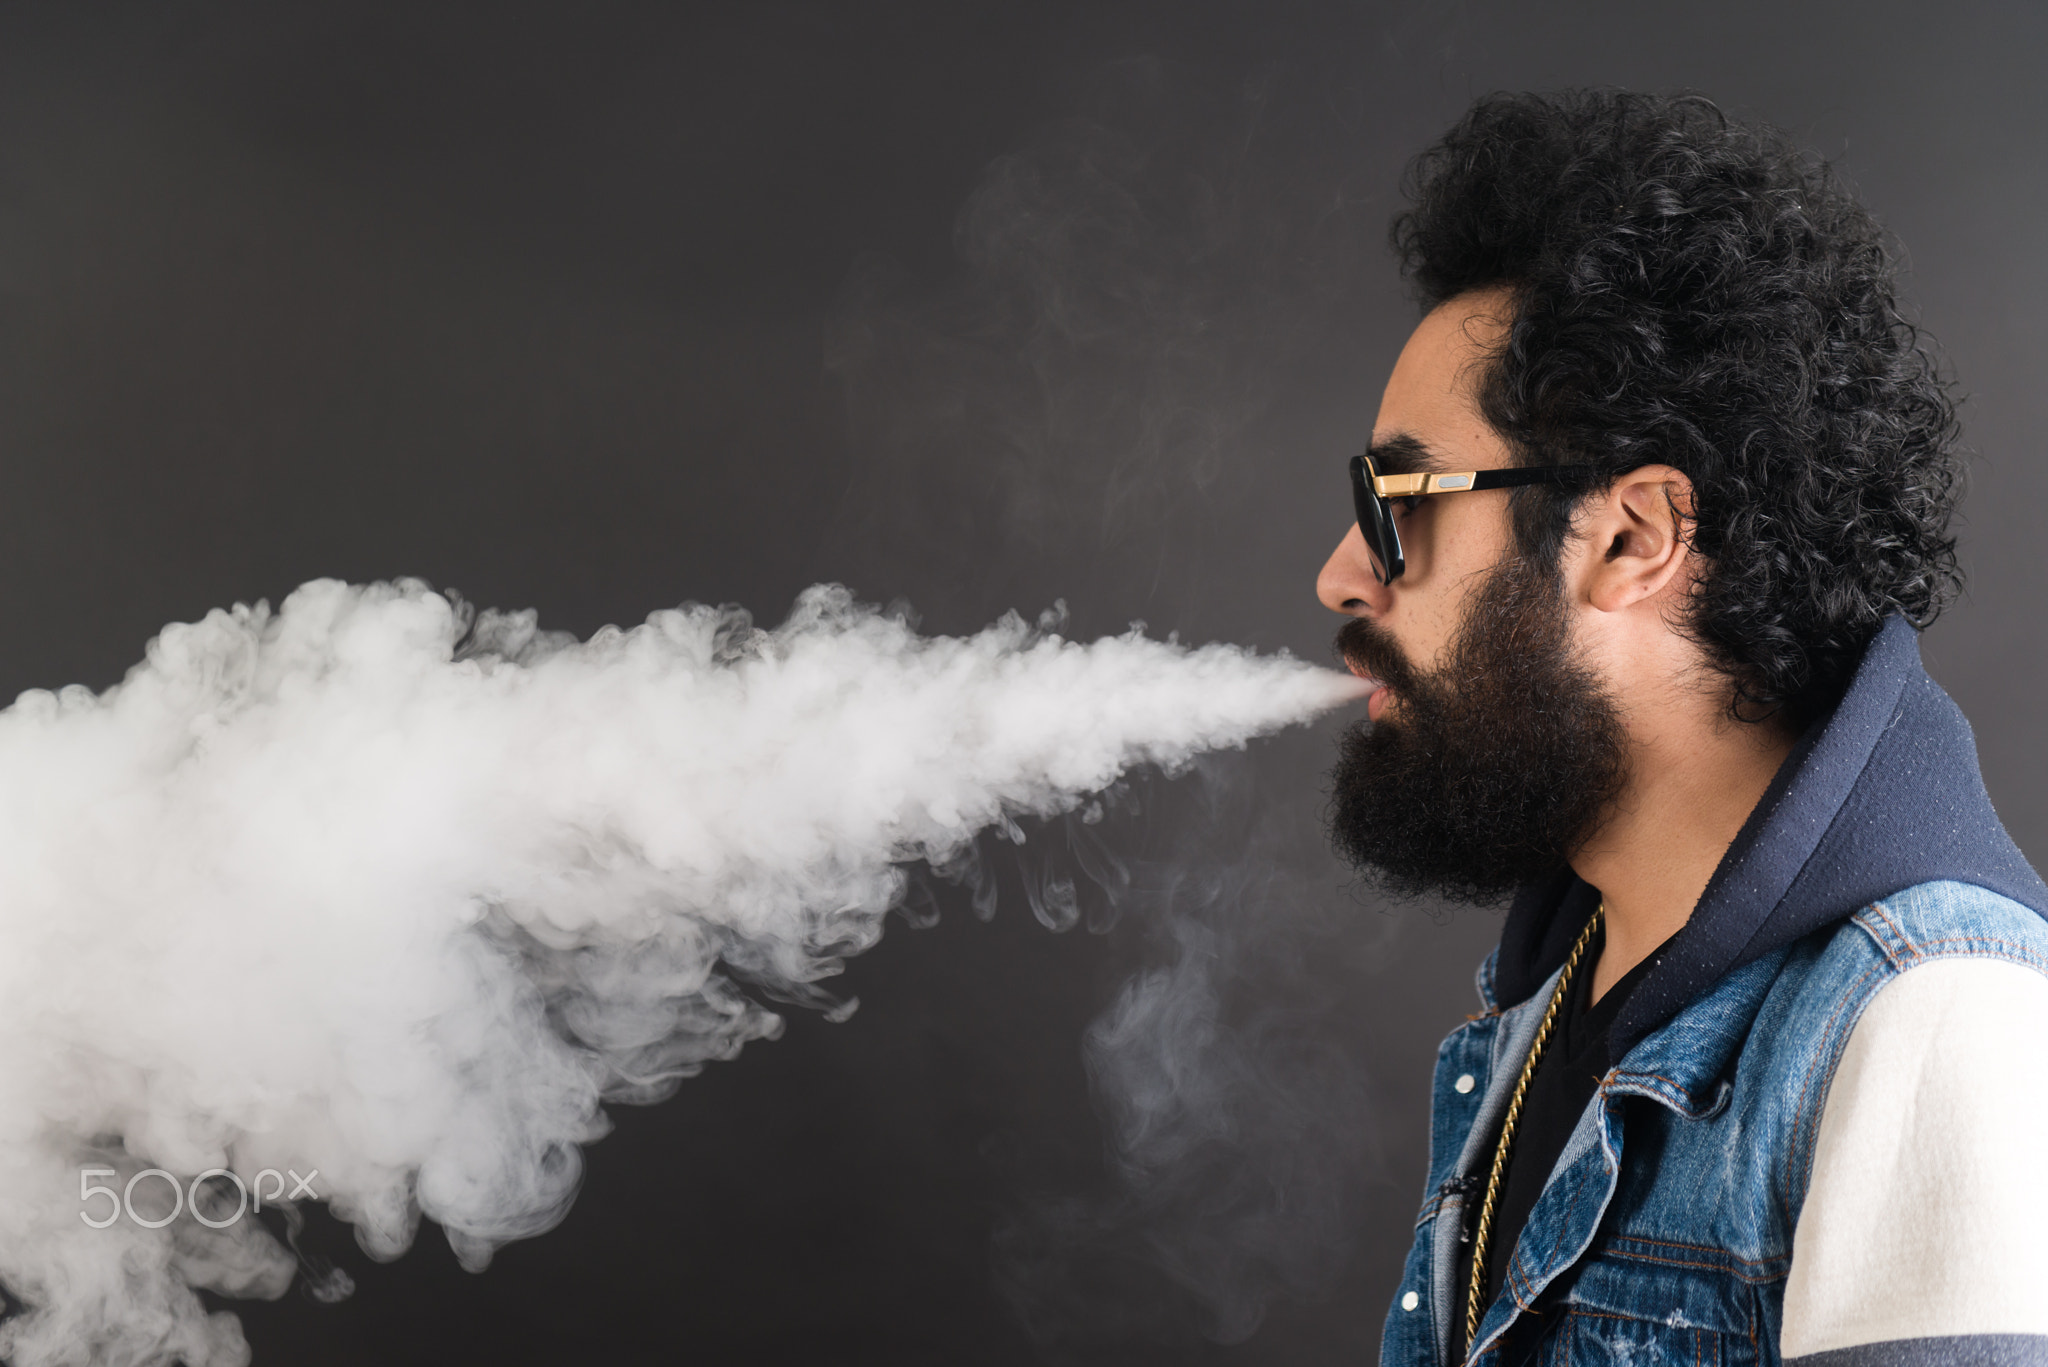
x: 1404, y: 454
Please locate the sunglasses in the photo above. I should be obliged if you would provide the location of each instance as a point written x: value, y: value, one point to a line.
x: 1374, y: 493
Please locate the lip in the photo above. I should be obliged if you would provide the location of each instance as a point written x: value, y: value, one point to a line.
x: 1376, y: 701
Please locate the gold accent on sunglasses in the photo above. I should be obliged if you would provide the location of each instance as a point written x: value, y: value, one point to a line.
x: 1408, y: 486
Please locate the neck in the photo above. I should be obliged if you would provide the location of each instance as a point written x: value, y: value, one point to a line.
x: 1694, y: 777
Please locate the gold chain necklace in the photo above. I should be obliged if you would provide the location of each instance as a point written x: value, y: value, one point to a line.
x: 1480, y: 1238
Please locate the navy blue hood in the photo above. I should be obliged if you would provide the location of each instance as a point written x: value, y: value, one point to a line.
x: 1880, y: 795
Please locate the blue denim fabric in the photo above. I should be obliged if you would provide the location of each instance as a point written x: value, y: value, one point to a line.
x: 1665, y: 1230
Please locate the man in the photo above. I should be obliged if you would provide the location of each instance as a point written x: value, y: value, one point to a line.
x: 1657, y: 496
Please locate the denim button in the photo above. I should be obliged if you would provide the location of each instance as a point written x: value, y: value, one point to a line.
x: 1464, y: 1083
x: 1410, y: 1301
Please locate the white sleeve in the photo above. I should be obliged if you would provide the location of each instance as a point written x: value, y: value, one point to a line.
x: 1924, y: 1237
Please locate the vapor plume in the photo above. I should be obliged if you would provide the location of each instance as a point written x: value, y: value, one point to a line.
x: 1153, y: 301
x: 374, y: 886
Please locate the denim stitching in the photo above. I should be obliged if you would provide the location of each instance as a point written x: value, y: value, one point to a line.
x: 1888, y: 938
x: 1830, y: 1056
x: 1997, y: 949
x: 1690, y: 1248
x: 1515, y: 1283
x: 1569, y: 1333
x: 1582, y: 1312
x: 1684, y: 1097
x: 1703, y: 1267
x: 1695, y: 1248
x: 1578, y: 1190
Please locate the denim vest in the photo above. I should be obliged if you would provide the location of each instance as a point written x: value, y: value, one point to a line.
x: 1664, y: 1233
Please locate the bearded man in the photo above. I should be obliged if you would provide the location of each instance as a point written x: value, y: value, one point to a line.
x: 1657, y: 499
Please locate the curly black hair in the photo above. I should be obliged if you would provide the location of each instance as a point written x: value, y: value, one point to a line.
x: 1694, y: 291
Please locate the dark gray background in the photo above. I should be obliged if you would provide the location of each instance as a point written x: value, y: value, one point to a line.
x: 599, y: 307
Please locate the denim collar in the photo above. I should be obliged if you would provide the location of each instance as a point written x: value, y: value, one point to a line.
x: 1882, y: 794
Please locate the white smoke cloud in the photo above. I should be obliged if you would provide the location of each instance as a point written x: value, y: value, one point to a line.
x: 366, y: 887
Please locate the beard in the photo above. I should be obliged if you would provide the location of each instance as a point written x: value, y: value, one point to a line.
x: 1488, y: 772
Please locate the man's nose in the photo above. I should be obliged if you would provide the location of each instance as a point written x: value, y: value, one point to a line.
x: 1348, y: 584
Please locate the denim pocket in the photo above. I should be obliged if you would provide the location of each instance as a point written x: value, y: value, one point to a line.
x: 1583, y: 1337
x: 1656, y: 1302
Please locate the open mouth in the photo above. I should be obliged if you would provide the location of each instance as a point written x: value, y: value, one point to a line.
x: 1377, y: 695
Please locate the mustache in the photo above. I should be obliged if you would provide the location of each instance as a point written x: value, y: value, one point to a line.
x: 1367, y: 648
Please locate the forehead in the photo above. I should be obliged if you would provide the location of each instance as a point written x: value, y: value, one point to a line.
x: 1432, y: 395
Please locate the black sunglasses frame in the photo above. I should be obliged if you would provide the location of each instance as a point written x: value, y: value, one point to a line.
x: 1372, y: 493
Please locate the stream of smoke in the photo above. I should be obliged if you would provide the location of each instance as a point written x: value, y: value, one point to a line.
x: 374, y: 887
x: 1161, y: 301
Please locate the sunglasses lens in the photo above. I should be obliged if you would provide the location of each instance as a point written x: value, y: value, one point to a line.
x: 1382, y: 553
x: 1375, y: 524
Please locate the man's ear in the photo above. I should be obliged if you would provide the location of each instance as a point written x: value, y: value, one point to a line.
x: 1639, y: 538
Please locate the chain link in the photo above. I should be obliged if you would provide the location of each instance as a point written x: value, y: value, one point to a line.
x: 1476, y: 1288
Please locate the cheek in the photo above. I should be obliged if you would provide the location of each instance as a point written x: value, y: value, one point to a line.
x: 1434, y: 624
x: 1472, y: 532
x: 1467, y: 544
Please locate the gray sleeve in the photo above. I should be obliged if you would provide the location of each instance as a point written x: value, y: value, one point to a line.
x: 1948, y: 1350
